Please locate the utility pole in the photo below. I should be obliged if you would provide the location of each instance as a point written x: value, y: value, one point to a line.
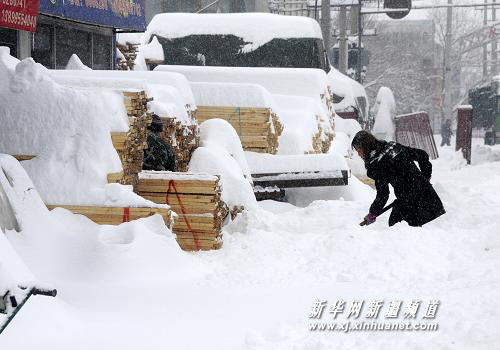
x: 448, y: 108
x: 343, y: 40
x: 494, y: 56
x: 326, y: 24
x: 485, y: 46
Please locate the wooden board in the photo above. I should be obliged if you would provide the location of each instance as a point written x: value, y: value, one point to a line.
x: 115, y: 215
x: 189, y: 196
x: 200, y: 244
x: 258, y: 128
x: 23, y: 157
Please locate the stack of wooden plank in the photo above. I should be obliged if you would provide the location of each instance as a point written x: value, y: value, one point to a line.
x: 129, y: 51
x: 196, y: 198
x: 130, y: 145
x: 117, y: 215
x: 329, y: 135
x: 317, y: 140
x: 258, y: 128
x: 326, y: 141
x: 183, y: 138
x: 321, y: 140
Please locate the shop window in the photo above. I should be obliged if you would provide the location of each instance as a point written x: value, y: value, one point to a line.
x: 43, y: 43
x: 72, y: 41
x: 54, y: 43
x: 8, y: 37
x: 102, y: 51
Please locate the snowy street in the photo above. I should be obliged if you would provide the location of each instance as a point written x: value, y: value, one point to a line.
x: 258, y: 290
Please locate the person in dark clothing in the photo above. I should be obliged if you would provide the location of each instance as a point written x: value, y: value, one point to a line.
x: 446, y: 133
x: 158, y: 155
x: 392, y: 163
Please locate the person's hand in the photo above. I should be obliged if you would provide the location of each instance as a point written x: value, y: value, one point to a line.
x: 370, y: 219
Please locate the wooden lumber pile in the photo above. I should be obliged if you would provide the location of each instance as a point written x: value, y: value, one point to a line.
x: 183, y: 139
x: 129, y: 51
x: 329, y: 101
x: 130, y: 145
x: 326, y: 141
x: 321, y: 140
x: 329, y: 136
x: 196, y: 198
x: 117, y: 215
x: 317, y: 140
x: 258, y: 128
x: 23, y: 157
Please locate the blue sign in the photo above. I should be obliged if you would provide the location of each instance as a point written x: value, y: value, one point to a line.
x: 121, y: 14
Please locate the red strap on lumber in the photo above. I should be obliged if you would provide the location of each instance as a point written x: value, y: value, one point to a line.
x: 126, y: 215
x: 171, y: 186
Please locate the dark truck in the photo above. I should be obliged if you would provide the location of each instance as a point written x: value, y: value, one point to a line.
x: 485, y: 101
x: 251, y: 40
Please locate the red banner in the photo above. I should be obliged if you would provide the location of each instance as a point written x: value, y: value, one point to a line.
x: 19, y: 14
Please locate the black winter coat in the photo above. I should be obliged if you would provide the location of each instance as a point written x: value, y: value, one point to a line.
x: 416, y: 201
x: 159, y: 156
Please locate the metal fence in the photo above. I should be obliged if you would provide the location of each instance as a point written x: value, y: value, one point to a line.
x: 415, y: 130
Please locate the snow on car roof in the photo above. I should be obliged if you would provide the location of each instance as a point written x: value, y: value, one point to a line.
x: 255, y: 28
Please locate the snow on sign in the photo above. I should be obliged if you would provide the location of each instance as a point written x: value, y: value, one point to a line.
x: 19, y: 14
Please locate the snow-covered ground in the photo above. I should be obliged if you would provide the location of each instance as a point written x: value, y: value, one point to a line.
x: 131, y: 287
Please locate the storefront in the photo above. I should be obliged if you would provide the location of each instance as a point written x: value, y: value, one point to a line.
x: 86, y: 28
x: 8, y: 37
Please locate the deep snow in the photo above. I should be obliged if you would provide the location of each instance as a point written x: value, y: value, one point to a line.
x: 131, y: 287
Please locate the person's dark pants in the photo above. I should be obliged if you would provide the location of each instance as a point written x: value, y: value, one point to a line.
x: 445, y: 141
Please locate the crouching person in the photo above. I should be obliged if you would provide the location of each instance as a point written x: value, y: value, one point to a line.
x: 392, y: 163
x: 159, y: 155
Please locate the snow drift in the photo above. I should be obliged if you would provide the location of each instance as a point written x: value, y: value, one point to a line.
x: 221, y: 153
x: 171, y: 92
x: 385, y: 112
x: 68, y: 132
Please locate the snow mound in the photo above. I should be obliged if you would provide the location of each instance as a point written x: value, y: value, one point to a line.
x: 171, y: 92
x: 348, y: 126
x: 19, y: 198
x: 75, y: 63
x: 299, y: 116
x: 13, y: 272
x: 221, y: 153
x: 355, y: 191
x: 307, y: 82
x: 303, y: 82
x: 6, y: 60
x: 385, y: 110
x: 482, y: 154
x: 68, y: 130
x: 232, y: 95
x: 178, y: 25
